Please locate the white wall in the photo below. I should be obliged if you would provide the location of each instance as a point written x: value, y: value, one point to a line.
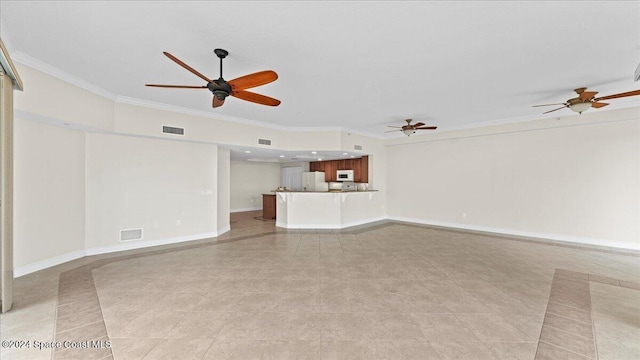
x: 249, y: 180
x: 49, y: 195
x: 139, y: 182
x: 223, y: 190
x: 576, y: 180
x: 46, y: 96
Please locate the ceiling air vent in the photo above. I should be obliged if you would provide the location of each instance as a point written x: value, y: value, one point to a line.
x: 172, y: 130
x: 130, y: 234
x: 264, y: 142
x: 357, y: 147
x: 636, y: 75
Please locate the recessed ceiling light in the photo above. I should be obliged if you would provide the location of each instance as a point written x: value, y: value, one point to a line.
x: 281, y: 156
x: 314, y: 152
x: 344, y: 154
x: 319, y: 159
x: 247, y: 152
x: 352, y: 156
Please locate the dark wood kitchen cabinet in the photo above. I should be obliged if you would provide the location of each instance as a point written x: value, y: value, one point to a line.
x: 269, y: 206
x: 362, y: 170
x: 349, y: 164
x: 330, y: 168
x: 359, y: 166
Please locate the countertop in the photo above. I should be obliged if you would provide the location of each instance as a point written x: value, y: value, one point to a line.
x: 325, y: 192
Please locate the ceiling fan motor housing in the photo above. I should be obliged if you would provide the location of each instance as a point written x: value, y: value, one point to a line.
x: 219, y: 88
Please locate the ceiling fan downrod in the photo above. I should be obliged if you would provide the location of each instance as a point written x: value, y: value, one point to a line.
x: 221, y: 53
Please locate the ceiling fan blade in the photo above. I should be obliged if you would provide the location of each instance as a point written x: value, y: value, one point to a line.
x: 253, y: 80
x: 598, y: 104
x: 549, y: 105
x: 418, y: 124
x: 392, y: 131
x: 615, y: 96
x: 192, y: 70
x: 399, y: 127
x: 426, y: 128
x: 177, y: 86
x: 546, y: 112
x: 587, y: 95
x: 217, y: 102
x: 256, y: 98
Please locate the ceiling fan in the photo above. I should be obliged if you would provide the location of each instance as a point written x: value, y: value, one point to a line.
x: 222, y: 88
x: 587, y: 100
x: 411, y: 129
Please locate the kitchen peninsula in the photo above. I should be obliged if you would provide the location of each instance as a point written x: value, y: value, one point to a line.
x: 327, y: 209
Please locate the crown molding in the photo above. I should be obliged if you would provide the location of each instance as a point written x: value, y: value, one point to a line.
x: 41, y: 66
x: 199, y: 113
x: 234, y: 119
x: 50, y: 70
x: 7, y: 65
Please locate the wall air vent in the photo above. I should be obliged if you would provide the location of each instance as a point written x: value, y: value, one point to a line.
x: 264, y: 142
x: 357, y: 147
x: 172, y: 130
x: 130, y: 234
x: 636, y: 75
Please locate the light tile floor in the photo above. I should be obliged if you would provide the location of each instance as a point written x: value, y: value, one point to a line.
x: 390, y: 291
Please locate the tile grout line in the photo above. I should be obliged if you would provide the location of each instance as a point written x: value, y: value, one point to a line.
x: 593, y: 326
x: 568, y: 278
x: 567, y: 350
x: 569, y: 332
x: 82, y: 271
x: 565, y: 317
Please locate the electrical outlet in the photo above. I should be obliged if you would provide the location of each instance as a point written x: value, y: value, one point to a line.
x: 178, y: 222
x: 464, y: 215
x: 156, y: 224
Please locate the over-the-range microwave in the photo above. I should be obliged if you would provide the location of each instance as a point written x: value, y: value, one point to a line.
x: 344, y: 175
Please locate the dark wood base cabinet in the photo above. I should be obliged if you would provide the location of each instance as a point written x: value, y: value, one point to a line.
x: 269, y: 206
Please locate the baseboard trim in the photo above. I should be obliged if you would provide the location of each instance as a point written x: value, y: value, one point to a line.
x: 534, y: 236
x: 47, y: 263
x: 133, y: 245
x: 224, y: 230
x: 330, y: 226
x: 245, y: 209
x: 130, y: 245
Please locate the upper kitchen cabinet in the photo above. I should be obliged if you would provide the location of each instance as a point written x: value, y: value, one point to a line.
x: 330, y: 169
x: 361, y: 170
x: 359, y: 166
x: 349, y: 164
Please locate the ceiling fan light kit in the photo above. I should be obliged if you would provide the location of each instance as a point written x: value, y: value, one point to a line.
x: 580, y: 107
x: 221, y: 88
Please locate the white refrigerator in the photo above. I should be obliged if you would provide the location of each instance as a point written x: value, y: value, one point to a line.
x: 314, y: 181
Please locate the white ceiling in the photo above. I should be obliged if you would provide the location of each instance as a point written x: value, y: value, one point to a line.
x: 354, y: 65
